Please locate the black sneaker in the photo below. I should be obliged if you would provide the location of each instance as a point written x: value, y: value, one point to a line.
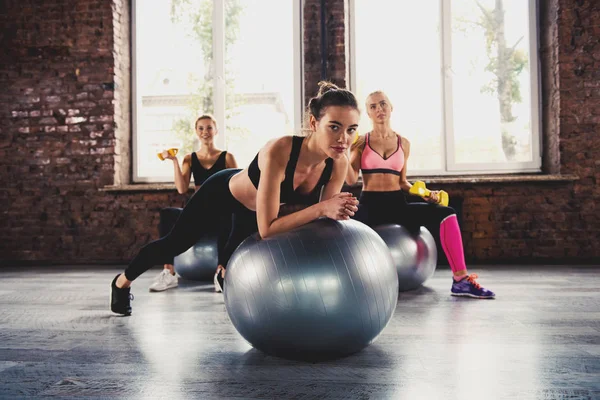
x: 219, y: 281
x: 120, y: 299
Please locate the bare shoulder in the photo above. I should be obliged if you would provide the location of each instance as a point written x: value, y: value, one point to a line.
x: 229, y: 157
x: 276, y: 151
x: 187, y: 159
x: 359, y: 144
x: 405, y: 143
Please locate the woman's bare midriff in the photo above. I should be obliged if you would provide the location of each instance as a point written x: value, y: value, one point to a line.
x: 380, y: 182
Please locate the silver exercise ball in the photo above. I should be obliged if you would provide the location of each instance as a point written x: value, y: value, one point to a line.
x: 199, y: 262
x: 414, y: 254
x: 321, y: 291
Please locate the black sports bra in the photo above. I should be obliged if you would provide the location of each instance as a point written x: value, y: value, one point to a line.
x: 287, y: 193
x: 201, y: 174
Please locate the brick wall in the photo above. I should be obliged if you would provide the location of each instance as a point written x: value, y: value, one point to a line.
x: 64, y: 134
x: 59, y: 68
x: 335, y: 45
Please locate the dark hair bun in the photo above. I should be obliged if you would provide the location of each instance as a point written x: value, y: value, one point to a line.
x: 326, y: 86
x: 330, y: 95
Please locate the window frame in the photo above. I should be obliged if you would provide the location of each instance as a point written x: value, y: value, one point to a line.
x: 218, y: 64
x: 450, y: 165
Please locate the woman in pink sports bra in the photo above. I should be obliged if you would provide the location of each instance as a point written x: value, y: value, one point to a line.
x: 382, y: 156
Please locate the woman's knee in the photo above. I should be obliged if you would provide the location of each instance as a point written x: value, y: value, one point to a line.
x: 445, y: 212
x: 168, y: 218
x: 170, y: 213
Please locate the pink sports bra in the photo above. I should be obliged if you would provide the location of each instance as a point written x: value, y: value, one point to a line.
x: 372, y: 163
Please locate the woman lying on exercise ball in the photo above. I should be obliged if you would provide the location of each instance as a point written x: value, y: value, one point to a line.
x: 294, y: 170
x: 200, y: 164
x: 382, y: 157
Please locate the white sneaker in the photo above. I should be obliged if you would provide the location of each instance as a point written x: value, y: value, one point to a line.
x: 218, y: 281
x: 164, y: 281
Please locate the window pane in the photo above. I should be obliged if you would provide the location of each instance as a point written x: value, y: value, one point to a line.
x: 171, y: 79
x: 491, y: 81
x: 259, y: 73
x: 397, y: 50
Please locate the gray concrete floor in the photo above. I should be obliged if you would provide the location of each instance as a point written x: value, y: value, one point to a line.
x: 540, y: 339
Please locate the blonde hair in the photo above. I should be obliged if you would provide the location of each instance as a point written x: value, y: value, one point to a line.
x: 374, y: 93
x: 206, y: 116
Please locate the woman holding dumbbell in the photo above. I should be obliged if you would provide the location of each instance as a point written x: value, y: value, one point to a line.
x: 382, y: 157
x: 201, y: 164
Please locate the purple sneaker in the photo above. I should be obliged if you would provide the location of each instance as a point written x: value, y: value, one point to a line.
x: 468, y: 287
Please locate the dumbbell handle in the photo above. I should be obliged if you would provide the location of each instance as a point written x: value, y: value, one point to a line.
x: 419, y: 189
x: 423, y: 192
x: 172, y: 152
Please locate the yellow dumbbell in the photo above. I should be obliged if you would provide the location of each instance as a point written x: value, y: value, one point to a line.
x: 172, y: 153
x: 418, y: 188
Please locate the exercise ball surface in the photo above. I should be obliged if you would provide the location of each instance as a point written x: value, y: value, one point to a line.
x: 321, y: 291
x: 199, y: 262
x: 414, y: 254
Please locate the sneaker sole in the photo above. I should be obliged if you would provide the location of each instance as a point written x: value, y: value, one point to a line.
x: 162, y: 290
x: 218, y: 287
x: 472, y: 296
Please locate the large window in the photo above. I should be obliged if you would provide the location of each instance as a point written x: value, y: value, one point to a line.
x: 461, y: 75
x: 231, y: 58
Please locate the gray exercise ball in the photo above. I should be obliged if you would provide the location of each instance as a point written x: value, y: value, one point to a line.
x: 414, y: 254
x: 324, y: 290
x: 199, y: 262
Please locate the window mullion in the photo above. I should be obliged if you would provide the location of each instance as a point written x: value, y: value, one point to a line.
x: 298, y: 65
x: 534, y: 68
x: 136, y: 99
x: 352, y: 39
x: 447, y: 106
x: 218, y: 61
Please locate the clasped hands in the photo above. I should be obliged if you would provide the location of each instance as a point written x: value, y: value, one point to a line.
x: 340, y: 206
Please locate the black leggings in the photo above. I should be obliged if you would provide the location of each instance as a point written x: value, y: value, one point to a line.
x: 207, y: 208
x: 378, y: 208
x: 169, y: 216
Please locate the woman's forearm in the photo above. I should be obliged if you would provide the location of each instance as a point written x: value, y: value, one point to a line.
x: 287, y: 209
x: 291, y: 221
x: 180, y: 183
